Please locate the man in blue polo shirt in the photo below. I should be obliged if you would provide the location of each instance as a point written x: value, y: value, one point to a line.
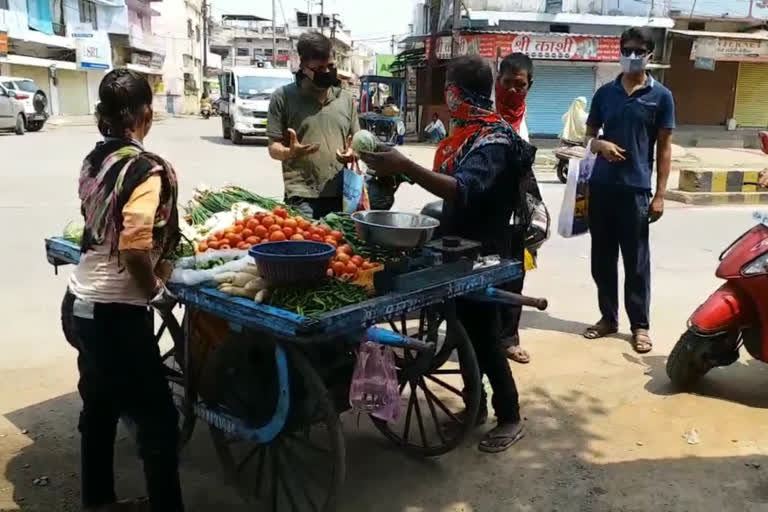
x: 637, y: 114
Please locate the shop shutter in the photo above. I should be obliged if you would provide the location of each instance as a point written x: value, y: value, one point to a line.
x: 751, y: 108
x: 73, y: 92
x: 554, y: 89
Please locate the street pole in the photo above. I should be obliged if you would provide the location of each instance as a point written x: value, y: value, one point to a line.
x: 205, y: 44
x: 322, y: 17
x: 751, y: 7
x: 274, y: 36
x: 455, y: 32
x: 392, y: 44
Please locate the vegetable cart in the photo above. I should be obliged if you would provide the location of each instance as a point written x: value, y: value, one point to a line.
x: 276, y: 394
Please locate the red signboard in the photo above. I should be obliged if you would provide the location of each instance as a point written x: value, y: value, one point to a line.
x: 547, y: 46
x: 283, y: 57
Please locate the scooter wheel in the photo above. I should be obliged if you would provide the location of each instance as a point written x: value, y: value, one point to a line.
x: 686, y: 364
x: 562, y: 170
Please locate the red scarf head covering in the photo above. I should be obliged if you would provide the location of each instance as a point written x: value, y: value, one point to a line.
x: 475, y: 125
x: 511, y: 105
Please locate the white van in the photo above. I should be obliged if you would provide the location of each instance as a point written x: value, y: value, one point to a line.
x: 245, y: 95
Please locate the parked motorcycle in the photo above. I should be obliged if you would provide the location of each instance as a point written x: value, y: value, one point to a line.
x: 735, y: 314
x: 206, y: 111
x: 564, y: 153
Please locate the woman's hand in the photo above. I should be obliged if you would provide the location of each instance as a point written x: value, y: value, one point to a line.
x: 387, y: 161
x: 346, y: 155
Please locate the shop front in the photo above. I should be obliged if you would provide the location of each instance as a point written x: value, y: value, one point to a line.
x: 719, y: 78
x: 565, y: 67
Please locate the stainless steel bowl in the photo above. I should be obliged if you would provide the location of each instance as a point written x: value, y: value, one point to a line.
x: 394, y: 229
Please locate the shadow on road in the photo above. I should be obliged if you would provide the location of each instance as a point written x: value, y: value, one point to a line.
x: 743, y: 382
x: 556, y: 467
x: 221, y: 141
x: 541, y: 320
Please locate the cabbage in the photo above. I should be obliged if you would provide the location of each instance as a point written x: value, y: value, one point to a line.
x: 364, y: 141
x: 73, y: 231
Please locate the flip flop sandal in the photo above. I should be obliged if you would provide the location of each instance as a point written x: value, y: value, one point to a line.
x: 641, y: 341
x: 518, y: 354
x: 508, y: 439
x: 600, y: 330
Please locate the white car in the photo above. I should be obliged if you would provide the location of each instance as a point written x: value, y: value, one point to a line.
x: 33, y: 98
x: 11, y: 112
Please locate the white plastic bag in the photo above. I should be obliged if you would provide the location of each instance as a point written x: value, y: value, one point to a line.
x: 184, y: 271
x: 574, y: 213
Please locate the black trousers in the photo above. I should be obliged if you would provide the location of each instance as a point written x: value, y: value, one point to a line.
x: 618, y: 221
x: 121, y: 374
x: 510, y: 315
x: 482, y: 322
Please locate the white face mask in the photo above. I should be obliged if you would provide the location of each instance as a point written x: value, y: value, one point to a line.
x: 634, y: 64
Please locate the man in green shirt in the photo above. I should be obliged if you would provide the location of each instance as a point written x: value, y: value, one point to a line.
x: 310, y: 125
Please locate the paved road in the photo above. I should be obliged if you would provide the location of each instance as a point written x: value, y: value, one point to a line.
x: 605, y: 429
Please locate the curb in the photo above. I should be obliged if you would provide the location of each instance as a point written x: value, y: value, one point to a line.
x: 717, y: 180
x: 717, y: 198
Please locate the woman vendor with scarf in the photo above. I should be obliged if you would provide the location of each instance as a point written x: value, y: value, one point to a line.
x: 128, y: 201
x: 480, y: 168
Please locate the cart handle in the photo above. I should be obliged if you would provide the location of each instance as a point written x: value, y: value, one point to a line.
x: 492, y: 294
x: 393, y: 339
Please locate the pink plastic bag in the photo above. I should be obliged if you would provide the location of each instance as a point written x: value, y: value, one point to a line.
x: 374, y: 387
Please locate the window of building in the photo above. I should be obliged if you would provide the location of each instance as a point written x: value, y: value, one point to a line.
x: 303, y: 19
x: 267, y: 52
x: 197, y: 33
x: 4, y: 5
x: 242, y: 52
x: 88, y: 13
x: 257, y: 52
x: 561, y: 29
x: 697, y: 25
x: 190, y: 85
x: 554, y: 6
x: 283, y: 52
x: 190, y: 30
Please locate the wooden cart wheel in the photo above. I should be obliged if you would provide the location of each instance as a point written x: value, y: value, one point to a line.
x: 182, y: 391
x: 303, y: 468
x: 440, y: 393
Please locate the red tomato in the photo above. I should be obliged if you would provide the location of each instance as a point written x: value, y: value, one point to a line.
x: 297, y: 237
x: 343, y: 257
x: 331, y: 241
x: 253, y: 240
x: 279, y: 221
x: 234, y: 240
x: 246, y: 232
x: 277, y: 236
x: 338, y: 268
x: 280, y: 212
x: 238, y: 228
x: 260, y: 231
x: 345, y: 249
x: 213, y: 244
x: 273, y: 228
x: 290, y: 223
x: 202, y: 247
x: 351, y: 268
x: 289, y: 232
x: 337, y: 235
x: 357, y: 260
x: 252, y: 224
x: 316, y: 238
x: 267, y: 221
x: 303, y: 224
x: 243, y: 245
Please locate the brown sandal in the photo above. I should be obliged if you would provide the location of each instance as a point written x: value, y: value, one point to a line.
x: 641, y: 341
x: 600, y: 330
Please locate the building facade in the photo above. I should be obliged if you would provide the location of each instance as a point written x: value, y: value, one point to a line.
x: 247, y: 41
x: 181, y: 27
x: 719, y: 71
x: 62, y: 45
x: 574, y: 45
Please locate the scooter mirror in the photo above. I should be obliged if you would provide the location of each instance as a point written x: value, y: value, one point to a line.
x: 763, y: 141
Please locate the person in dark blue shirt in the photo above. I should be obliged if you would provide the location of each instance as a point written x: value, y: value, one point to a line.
x: 481, y: 171
x: 637, y: 116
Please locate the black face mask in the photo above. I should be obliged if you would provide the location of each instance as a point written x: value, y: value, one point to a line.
x: 325, y: 79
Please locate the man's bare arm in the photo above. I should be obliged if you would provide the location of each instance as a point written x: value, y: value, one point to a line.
x: 281, y: 152
x: 663, y: 160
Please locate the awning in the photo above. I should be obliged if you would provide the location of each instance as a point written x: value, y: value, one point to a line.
x: 24, y: 60
x: 726, y: 46
x: 144, y: 69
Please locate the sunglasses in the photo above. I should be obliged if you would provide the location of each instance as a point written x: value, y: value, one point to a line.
x: 639, y: 52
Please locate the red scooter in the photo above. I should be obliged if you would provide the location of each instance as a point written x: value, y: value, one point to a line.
x: 735, y: 315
